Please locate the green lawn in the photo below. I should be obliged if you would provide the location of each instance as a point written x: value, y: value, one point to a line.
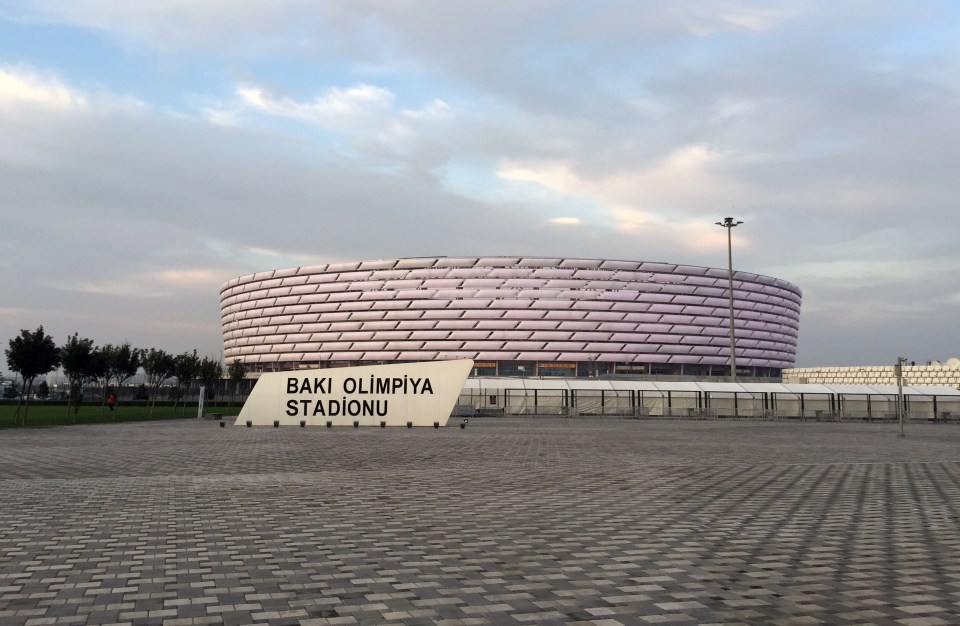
x: 41, y: 414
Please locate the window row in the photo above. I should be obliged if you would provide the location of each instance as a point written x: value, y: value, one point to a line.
x: 496, y: 289
x: 749, y: 358
x: 587, y: 332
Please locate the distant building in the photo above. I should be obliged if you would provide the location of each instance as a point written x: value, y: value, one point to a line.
x: 514, y: 316
x: 931, y: 374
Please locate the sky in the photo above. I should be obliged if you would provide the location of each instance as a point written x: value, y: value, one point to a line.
x: 150, y: 151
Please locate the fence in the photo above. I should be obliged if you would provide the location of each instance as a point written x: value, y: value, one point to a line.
x: 700, y: 404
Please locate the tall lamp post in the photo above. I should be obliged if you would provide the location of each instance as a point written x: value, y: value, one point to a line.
x: 898, y: 372
x: 729, y: 224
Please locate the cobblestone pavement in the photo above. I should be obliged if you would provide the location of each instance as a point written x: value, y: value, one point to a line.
x: 509, y: 521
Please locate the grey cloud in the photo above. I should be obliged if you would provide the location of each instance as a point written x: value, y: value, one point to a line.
x: 108, y: 203
x: 831, y: 146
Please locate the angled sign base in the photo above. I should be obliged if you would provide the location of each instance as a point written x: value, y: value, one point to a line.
x: 418, y: 393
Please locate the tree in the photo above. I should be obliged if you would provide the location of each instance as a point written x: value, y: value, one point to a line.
x: 210, y: 374
x: 77, y: 359
x: 186, y: 367
x: 123, y: 363
x: 100, y: 374
x: 237, y: 372
x: 31, y: 355
x: 158, y: 365
x: 43, y: 390
x: 10, y: 392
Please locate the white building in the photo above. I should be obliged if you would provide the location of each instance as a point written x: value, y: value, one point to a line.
x: 931, y: 374
x: 513, y: 316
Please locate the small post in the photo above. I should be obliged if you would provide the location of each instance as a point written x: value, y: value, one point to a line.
x: 898, y: 370
x: 200, y: 403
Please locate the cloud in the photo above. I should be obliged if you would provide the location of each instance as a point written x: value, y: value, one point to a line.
x: 365, y: 114
x: 351, y: 106
x: 717, y: 17
x: 685, y: 179
x: 260, y: 135
x: 173, y: 25
x: 221, y: 116
x: 22, y: 86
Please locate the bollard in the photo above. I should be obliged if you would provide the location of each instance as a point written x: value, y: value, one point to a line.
x: 356, y: 424
x: 383, y: 424
x: 329, y: 424
x: 276, y: 423
x: 222, y: 424
x: 462, y: 426
x: 249, y: 423
x: 409, y: 424
x: 303, y: 423
x: 436, y: 424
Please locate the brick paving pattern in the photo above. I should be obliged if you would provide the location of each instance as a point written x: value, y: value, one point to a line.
x: 509, y: 521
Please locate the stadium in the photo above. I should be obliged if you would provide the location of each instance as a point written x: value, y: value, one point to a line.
x: 514, y: 316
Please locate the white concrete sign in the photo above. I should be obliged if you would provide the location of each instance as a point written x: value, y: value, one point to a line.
x: 420, y: 393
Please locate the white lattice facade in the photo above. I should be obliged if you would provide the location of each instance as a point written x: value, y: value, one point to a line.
x: 512, y: 315
x: 931, y: 374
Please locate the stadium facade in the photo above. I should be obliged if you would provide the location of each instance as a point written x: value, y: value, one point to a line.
x: 514, y: 316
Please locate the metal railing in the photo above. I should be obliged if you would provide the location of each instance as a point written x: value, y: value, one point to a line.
x: 669, y: 413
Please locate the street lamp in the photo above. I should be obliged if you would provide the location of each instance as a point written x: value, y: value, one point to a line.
x: 898, y: 372
x: 729, y: 224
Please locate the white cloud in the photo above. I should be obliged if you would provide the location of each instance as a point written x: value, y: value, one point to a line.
x: 33, y: 90
x: 187, y: 277
x: 258, y: 256
x: 220, y: 116
x: 436, y: 110
x: 708, y: 19
x: 148, y: 283
x: 352, y: 106
x: 365, y: 115
x: 172, y: 25
x: 684, y: 178
x: 22, y: 86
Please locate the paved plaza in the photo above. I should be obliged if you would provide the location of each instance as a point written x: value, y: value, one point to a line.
x: 509, y: 521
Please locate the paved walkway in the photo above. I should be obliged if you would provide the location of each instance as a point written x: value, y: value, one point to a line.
x: 506, y: 522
